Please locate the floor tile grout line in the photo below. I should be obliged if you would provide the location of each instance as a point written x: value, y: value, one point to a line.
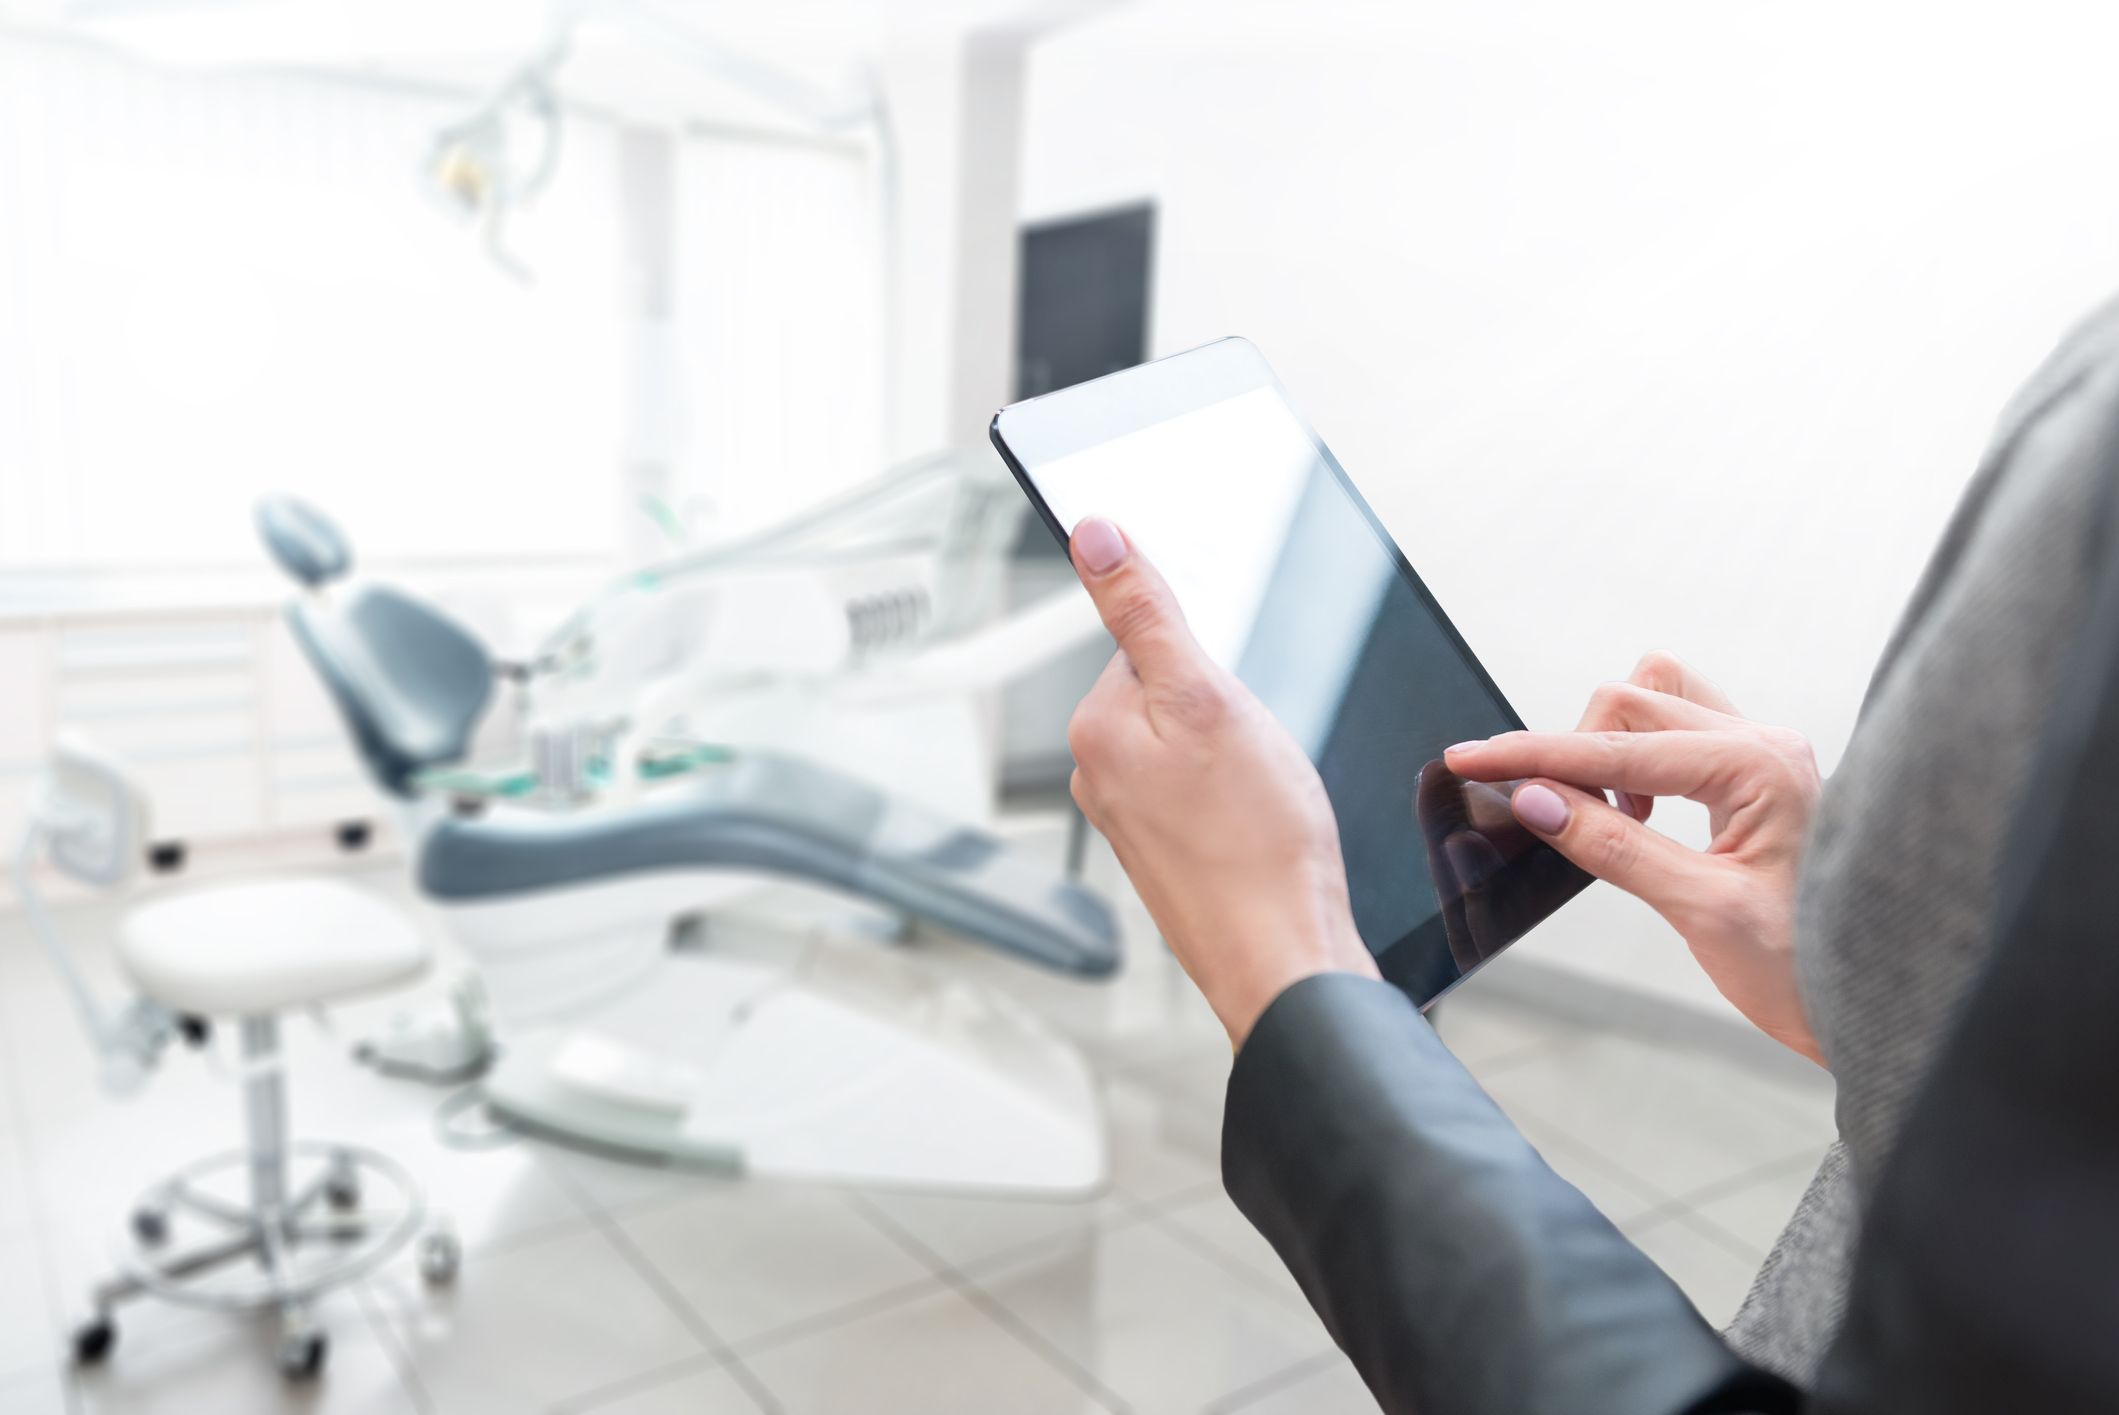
x: 1701, y: 1225
x: 1520, y: 1056
x: 1131, y: 1212
x: 667, y: 1374
x: 1172, y: 1228
x: 400, y: 1356
x: 1757, y: 1174
x: 1269, y: 1385
x: 1128, y: 1216
x: 614, y: 1233
x: 640, y: 1204
x: 1163, y: 1213
x: 1769, y: 1090
x: 1560, y: 1139
x: 997, y: 1312
x: 681, y: 1305
x: 502, y: 1244
x: 1687, y: 1204
x: 1176, y: 1199
x: 1719, y: 1236
x: 844, y: 1314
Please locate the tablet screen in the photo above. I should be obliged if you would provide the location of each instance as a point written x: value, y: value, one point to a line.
x: 1287, y: 580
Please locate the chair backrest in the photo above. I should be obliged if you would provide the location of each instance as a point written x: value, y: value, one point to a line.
x: 92, y: 815
x: 307, y: 544
x: 410, y: 682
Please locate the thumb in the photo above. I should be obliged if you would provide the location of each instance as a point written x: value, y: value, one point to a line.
x: 1134, y: 600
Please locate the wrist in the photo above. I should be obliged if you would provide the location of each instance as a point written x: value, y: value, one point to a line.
x: 1241, y: 1005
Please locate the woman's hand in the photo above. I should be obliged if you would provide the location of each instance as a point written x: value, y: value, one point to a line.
x: 1670, y: 732
x: 1215, y: 813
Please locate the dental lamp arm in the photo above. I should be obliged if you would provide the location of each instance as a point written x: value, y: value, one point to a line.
x: 986, y: 659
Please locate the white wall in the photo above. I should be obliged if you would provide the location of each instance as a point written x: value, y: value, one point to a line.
x: 779, y: 325
x: 213, y: 286
x: 1642, y: 325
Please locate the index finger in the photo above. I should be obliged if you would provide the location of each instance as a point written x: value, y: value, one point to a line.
x: 1664, y: 672
x: 1670, y: 763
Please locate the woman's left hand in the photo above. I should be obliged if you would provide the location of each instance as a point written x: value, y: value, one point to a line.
x: 1213, y: 809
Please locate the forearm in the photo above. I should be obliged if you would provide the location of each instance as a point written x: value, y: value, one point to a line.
x: 1451, y: 1264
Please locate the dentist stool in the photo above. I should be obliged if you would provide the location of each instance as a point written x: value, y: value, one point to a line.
x: 280, y: 1222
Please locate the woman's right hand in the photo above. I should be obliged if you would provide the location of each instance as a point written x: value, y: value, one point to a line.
x: 1669, y: 732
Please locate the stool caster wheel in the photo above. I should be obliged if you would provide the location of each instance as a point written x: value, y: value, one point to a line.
x: 150, y: 1226
x: 301, y: 1355
x: 441, y: 1255
x: 342, y: 1184
x: 92, y: 1341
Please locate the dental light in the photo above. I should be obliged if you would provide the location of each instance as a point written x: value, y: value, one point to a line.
x: 477, y: 170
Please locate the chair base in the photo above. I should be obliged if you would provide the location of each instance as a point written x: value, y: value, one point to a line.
x: 191, y: 1244
x: 850, y: 1068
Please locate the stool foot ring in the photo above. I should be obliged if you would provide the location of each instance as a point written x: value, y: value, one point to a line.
x: 211, y: 1249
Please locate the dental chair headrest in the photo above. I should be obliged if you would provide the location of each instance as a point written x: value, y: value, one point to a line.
x: 410, y: 682
x: 307, y: 544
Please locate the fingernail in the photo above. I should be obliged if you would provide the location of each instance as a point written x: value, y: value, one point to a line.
x: 1464, y: 746
x: 1101, y: 548
x: 1541, y: 808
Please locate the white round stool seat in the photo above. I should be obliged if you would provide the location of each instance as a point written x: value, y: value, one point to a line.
x: 247, y: 949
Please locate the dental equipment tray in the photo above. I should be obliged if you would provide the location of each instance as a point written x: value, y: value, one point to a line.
x: 663, y: 759
x: 763, y: 811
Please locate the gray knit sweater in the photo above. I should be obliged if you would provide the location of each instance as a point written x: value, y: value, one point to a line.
x: 1893, y: 912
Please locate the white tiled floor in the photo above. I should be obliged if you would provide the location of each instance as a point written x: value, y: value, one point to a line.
x: 593, y: 1285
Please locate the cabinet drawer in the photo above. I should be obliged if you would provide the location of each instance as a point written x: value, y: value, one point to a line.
x: 23, y: 729
x: 145, y: 738
x: 323, y: 803
x: 158, y: 648
x: 105, y: 696
x: 15, y: 782
x: 294, y: 695
x: 199, y: 796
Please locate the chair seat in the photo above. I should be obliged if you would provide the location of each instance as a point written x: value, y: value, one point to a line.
x: 262, y: 947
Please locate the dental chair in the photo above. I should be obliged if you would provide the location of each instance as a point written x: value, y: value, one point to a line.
x: 564, y: 884
x: 280, y: 1222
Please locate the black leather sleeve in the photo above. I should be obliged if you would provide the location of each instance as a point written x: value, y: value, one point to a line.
x: 1448, y: 1261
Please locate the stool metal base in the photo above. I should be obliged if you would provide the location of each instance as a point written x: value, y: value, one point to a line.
x: 192, y: 1244
x: 273, y: 1225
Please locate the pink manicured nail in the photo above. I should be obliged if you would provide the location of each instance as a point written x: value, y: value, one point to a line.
x: 1541, y: 808
x: 1101, y: 548
x: 1464, y: 747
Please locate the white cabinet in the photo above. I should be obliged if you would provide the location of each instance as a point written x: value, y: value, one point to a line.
x: 215, y: 710
x: 24, y: 717
x: 313, y: 776
x: 179, y: 702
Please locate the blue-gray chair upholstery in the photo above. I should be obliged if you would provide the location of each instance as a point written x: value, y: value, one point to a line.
x: 410, y: 682
x: 307, y: 544
x: 764, y: 811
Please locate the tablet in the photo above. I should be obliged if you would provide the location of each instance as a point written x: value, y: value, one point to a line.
x: 1289, y: 580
